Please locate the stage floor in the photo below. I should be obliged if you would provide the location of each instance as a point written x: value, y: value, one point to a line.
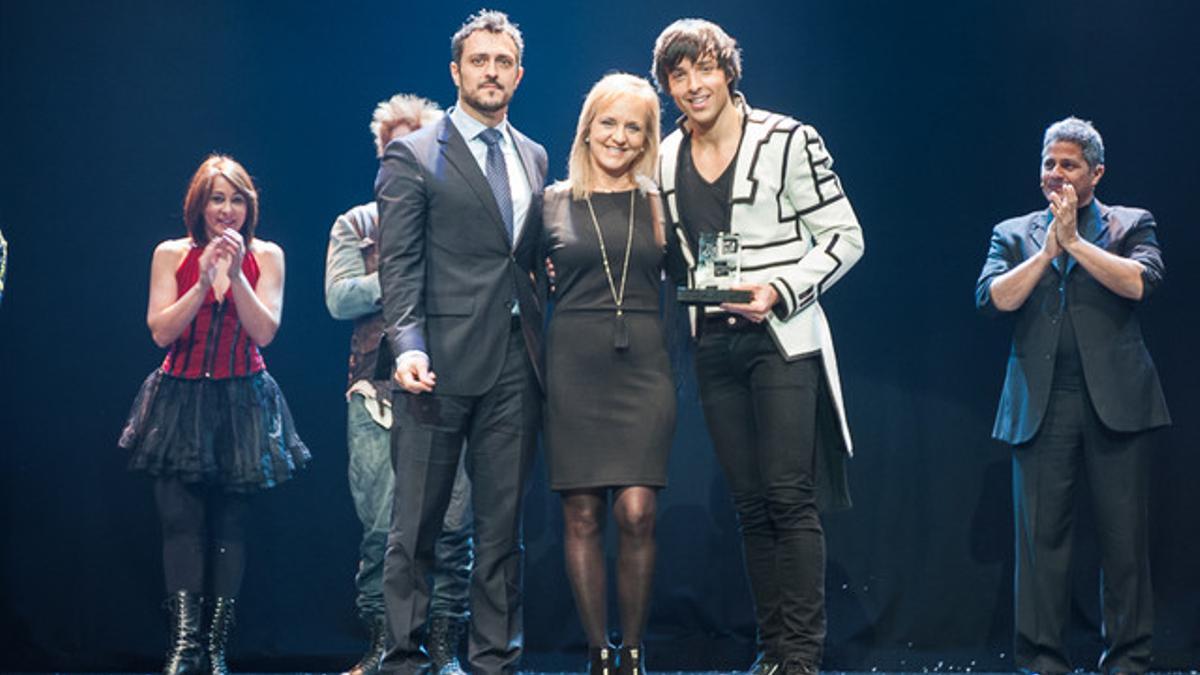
x: 685, y: 673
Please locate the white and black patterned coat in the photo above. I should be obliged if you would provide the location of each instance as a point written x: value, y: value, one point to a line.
x: 796, y: 227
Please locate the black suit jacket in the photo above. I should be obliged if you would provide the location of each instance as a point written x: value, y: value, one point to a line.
x: 1119, y: 374
x: 446, y: 269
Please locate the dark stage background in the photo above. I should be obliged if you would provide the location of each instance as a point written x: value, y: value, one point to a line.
x: 934, y: 113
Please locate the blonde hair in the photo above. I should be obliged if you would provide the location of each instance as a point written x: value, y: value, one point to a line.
x: 609, y: 88
x: 408, y: 109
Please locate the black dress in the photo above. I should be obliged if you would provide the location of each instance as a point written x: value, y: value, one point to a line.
x: 610, y: 412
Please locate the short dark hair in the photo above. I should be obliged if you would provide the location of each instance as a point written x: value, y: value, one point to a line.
x: 493, y: 22
x: 692, y: 39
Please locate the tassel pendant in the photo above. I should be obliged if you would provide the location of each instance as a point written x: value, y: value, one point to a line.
x: 620, y: 332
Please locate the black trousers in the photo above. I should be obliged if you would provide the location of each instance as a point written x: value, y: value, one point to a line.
x: 762, y: 413
x: 1073, y: 443
x: 500, y: 429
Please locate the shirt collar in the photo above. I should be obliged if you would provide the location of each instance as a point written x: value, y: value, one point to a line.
x: 470, y: 127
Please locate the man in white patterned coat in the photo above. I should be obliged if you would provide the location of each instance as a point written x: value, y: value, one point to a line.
x: 766, y: 368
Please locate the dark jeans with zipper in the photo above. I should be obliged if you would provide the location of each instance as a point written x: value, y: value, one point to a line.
x: 762, y: 413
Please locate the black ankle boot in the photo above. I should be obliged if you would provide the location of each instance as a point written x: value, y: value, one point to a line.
x: 602, y: 660
x: 187, y: 655
x: 630, y: 662
x: 370, y: 661
x: 444, y: 637
x: 218, y: 634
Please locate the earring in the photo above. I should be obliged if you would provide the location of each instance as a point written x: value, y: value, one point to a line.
x: 587, y: 139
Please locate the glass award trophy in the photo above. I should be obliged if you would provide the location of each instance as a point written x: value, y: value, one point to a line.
x: 718, y: 267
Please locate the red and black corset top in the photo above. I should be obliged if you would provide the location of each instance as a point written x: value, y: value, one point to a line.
x: 214, y: 346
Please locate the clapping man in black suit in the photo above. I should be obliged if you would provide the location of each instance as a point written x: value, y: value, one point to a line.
x: 1079, y: 396
x: 460, y: 229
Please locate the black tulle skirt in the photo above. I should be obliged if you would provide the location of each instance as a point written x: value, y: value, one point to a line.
x: 235, y: 433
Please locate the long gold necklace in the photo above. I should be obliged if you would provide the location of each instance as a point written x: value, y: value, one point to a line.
x: 620, y: 328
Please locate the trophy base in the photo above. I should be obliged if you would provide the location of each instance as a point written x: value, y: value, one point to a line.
x: 711, y: 296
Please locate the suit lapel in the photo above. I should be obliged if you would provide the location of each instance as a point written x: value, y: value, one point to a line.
x: 1094, y: 230
x: 458, y: 155
x: 744, y: 184
x: 1100, y: 235
x: 529, y: 166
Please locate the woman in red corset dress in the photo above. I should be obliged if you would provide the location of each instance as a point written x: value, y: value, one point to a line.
x: 210, y: 425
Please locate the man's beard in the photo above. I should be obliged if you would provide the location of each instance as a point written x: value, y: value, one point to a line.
x: 471, y: 99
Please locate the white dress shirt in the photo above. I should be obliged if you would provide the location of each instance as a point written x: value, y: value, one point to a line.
x: 518, y: 182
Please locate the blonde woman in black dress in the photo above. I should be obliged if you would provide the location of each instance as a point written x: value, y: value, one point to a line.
x: 610, y: 412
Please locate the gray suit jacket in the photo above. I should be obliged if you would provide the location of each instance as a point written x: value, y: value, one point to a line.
x: 1120, y: 376
x: 447, y: 271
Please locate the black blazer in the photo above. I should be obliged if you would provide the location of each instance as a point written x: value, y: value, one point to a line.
x: 446, y: 269
x: 1119, y: 374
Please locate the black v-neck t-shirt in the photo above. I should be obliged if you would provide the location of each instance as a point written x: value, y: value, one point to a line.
x: 703, y: 206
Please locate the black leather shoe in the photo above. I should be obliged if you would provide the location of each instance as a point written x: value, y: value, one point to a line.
x: 602, y: 660
x: 631, y: 661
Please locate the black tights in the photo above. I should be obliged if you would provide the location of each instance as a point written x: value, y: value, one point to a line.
x: 584, y: 514
x: 202, y: 525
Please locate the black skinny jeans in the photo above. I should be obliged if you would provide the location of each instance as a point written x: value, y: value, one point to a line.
x: 762, y: 412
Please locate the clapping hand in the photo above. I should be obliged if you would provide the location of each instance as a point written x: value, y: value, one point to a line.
x: 232, y: 246
x: 1063, y: 204
x: 209, y: 262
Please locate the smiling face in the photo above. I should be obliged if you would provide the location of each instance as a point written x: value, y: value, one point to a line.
x: 487, y: 73
x: 1063, y: 163
x: 225, y: 209
x: 617, y: 138
x: 700, y: 89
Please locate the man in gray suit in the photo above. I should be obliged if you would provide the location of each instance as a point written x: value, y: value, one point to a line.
x: 1080, y: 395
x: 460, y: 228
